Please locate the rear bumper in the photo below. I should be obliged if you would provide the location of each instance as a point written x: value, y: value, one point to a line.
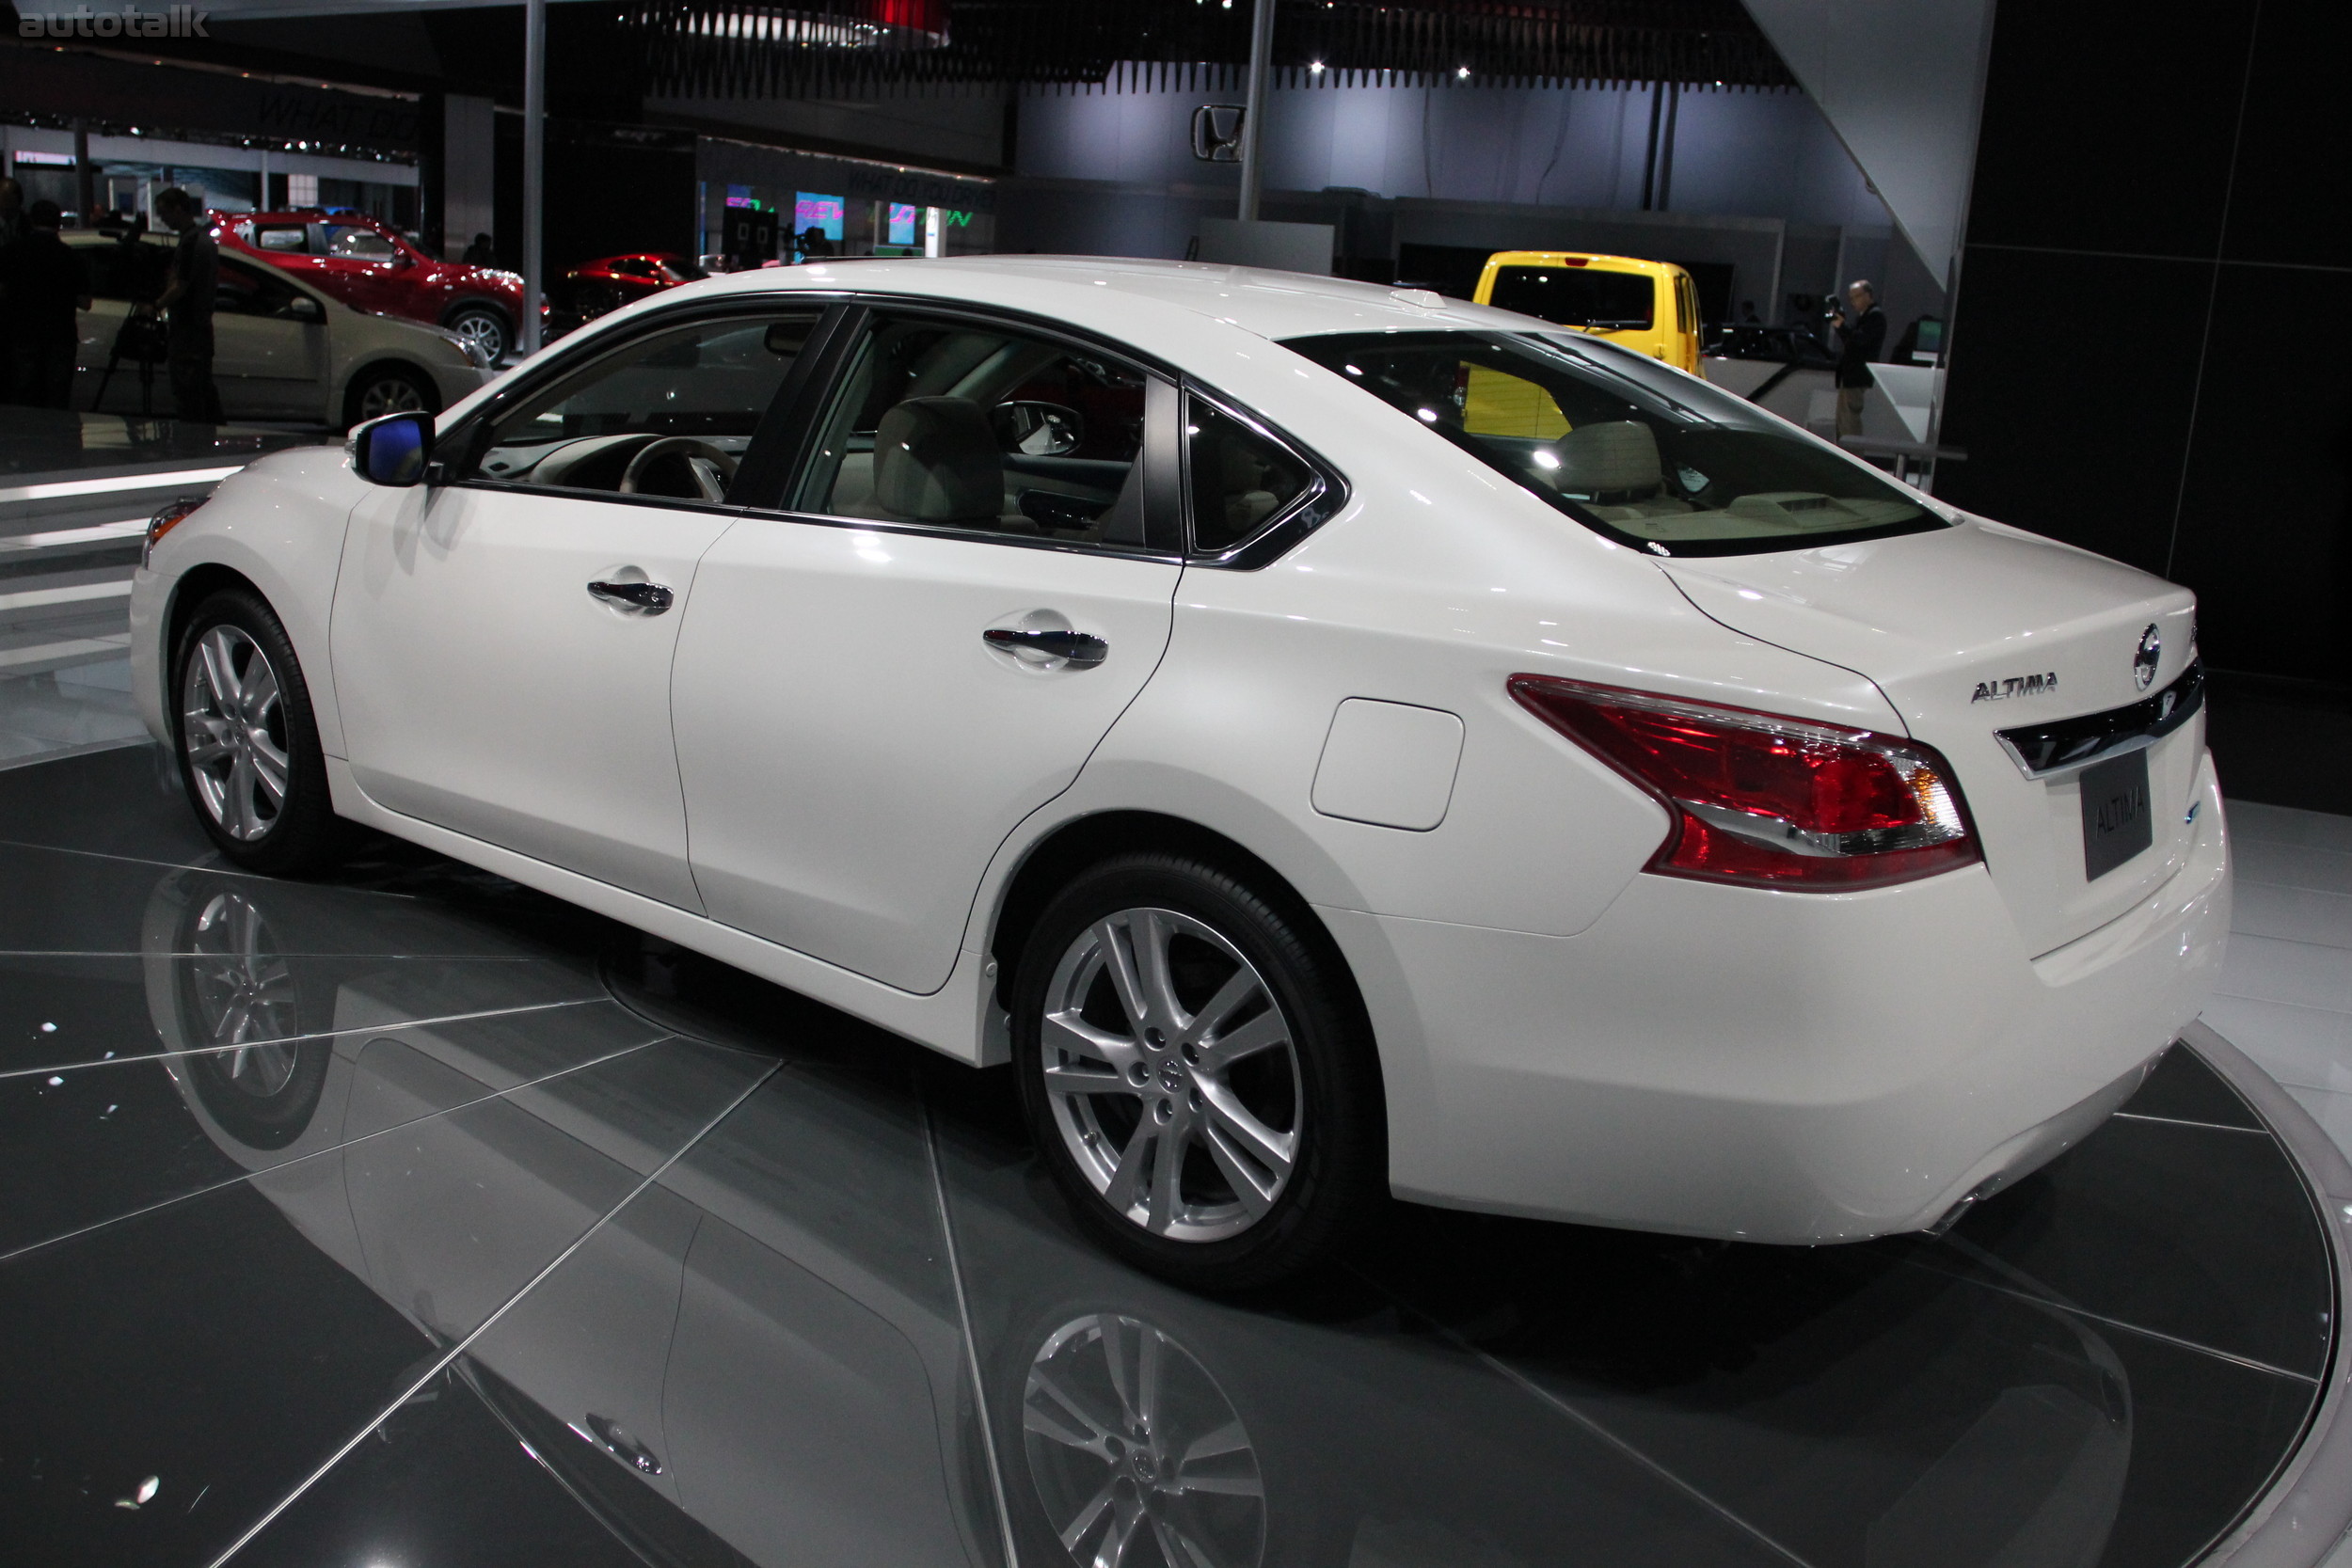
x: 1773, y: 1066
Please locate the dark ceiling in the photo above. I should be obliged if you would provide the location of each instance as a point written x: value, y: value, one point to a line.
x: 732, y: 50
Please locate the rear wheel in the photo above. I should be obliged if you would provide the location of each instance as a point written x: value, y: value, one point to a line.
x: 249, y: 746
x: 484, y: 326
x: 381, y: 389
x: 1196, y: 1074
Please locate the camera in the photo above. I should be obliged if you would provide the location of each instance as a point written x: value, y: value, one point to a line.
x: 1832, y: 307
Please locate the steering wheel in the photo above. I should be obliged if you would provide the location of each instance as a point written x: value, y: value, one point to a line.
x: 688, y: 448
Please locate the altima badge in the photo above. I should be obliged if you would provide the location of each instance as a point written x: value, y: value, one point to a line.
x: 2016, y: 685
x: 2144, y: 662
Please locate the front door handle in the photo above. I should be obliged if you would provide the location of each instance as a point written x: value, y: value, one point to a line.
x: 650, y: 599
x: 1082, y: 650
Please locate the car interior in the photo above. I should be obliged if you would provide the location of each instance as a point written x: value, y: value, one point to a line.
x: 1613, y: 453
x: 992, y: 432
x: 667, y: 415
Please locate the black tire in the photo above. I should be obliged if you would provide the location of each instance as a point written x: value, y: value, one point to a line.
x: 485, y: 325
x: 298, y: 832
x: 1320, y: 1091
x: 389, y: 389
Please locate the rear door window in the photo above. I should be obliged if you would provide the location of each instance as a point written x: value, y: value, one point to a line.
x: 1241, y: 479
x: 985, y: 429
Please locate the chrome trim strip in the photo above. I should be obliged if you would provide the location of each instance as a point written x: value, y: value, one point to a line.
x: 2042, y: 750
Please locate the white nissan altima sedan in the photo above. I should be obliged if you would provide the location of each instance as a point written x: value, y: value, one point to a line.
x: 1321, y: 736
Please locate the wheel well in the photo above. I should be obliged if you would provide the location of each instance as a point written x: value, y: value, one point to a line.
x: 475, y: 302
x: 358, y: 377
x: 196, y: 585
x: 1072, y: 848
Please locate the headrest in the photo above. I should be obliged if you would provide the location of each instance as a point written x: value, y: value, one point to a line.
x: 1608, y: 460
x: 936, y: 461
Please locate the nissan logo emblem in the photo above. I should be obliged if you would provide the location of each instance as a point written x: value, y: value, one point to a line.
x: 2144, y: 662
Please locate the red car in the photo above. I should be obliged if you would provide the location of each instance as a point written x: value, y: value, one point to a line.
x: 370, y: 266
x: 592, y: 288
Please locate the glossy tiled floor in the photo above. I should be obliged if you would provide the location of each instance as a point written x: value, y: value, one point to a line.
x: 413, y: 1219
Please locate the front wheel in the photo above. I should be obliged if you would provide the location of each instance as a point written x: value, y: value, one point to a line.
x: 249, y: 745
x: 485, y: 327
x: 1196, y: 1072
x: 382, y: 389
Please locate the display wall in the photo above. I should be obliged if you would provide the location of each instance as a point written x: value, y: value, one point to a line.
x: 2157, y: 252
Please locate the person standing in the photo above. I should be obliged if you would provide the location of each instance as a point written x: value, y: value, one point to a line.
x: 40, y: 288
x: 187, y: 306
x: 479, y: 253
x: 1861, y: 338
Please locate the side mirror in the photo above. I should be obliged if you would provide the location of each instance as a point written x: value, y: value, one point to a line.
x: 302, y: 307
x: 393, y: 449
x: 1038, y: 429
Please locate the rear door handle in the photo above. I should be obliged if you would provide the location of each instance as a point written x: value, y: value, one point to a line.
x: 1082, y: 650
x: 649, y: 598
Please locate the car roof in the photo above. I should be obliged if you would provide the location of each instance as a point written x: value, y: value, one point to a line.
x: 1588, y: 257
x: 1269, y: 304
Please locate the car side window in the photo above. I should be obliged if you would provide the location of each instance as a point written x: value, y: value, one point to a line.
x: 1240, y: 479
x: 115, y: 270
x: 363, y: 245
x: 290, y: 238
x: 982, y: 429
x: 249, y: 291
x: 671, y: 413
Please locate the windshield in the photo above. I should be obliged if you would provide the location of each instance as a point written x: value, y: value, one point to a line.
x: 1651, y: 459
x: 1577, y: 297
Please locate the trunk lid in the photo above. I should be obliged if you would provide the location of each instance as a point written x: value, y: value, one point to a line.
x: 1980, y: 629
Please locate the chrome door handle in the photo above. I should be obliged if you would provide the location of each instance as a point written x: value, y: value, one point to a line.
x: 650, y: 597
x: 1082, y: 650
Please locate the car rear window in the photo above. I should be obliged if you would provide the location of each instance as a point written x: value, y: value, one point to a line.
x: 1577, y: 297
x: 1652, y: 459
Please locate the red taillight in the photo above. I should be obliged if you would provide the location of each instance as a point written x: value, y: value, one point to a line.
x: 169, y: 517
x: 1764, y: 799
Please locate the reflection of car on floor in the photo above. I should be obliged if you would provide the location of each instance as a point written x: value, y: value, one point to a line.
x: 282, y: 350
x: 594, y: 288
x: 371, y: 266
x: 1601, y: 802
x: 766, y: 1359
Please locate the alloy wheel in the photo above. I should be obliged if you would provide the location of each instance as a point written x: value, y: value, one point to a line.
x: 484, y: 332
x: 247, y: 1006
x: 1137, y: 1456
x: 390, y: 394
x: 1172, y: 1075
x: 233, y: 727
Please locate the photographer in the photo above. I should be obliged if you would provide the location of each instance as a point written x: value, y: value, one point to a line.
x: 187, y: 306
x: 1861, y: 337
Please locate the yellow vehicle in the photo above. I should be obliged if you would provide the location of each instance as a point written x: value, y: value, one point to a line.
x: 1649, y: 307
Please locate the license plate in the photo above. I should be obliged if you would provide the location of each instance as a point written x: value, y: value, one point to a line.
x: 2116, y: 823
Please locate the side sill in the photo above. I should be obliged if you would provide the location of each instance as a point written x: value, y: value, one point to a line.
x: 948, y: 1021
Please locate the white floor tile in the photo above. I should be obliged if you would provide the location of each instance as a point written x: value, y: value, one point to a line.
x: 2333, y: 1112
x: 2272, y: 969
x: 2299, y: 914
x: 2309, y: 1047
x: 2293, y: 866
x: 2315, y: 829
